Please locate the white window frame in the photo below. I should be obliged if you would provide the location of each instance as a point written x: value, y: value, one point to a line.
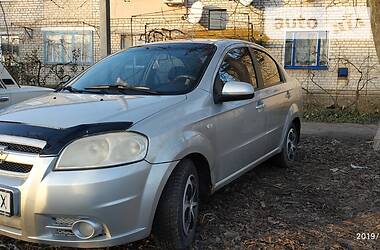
x: 69, y: 31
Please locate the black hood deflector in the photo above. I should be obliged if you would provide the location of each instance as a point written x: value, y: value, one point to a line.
x: 57, y: 139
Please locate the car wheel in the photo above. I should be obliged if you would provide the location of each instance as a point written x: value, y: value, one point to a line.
x: 177, y: 211
x: 288, y: 154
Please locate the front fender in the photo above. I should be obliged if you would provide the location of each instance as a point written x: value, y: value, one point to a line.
x: 165, y: 157
x: 180, y: 146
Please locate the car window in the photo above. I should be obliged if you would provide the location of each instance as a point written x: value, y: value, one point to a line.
x: 7, y: 81
x: 237, y: 66
x: 164, y: 68
x: 268, y: 67
x: 132, y: 69
x: 167, y: 67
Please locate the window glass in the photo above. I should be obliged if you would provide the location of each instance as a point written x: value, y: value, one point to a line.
x: 268, y: 67
x: 164, y: 68
x: 323, y: 52
x: 68, y: 47
x: 7, y: 81
x: 237, y: 66
x: 125, y: 41
x: 289, y: 49
x: 306, y: 49
x: 168, y: 67
x: 217, y: 19
x: 9, y: 48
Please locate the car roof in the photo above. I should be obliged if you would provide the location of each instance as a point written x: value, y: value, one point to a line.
x: 218, y: 42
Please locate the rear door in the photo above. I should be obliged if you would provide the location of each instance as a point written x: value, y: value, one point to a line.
x: 240, y: 125
x: 274, y: 96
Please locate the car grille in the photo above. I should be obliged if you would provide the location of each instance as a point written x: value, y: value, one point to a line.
x: 15, y: 167
x: 65, y: 221
x: 62, y: 226
x: 18, y: 154
x: 21, y: 148
x: 64, y: 233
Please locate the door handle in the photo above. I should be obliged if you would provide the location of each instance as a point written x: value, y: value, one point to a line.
x: 288, y: 95
x: 4, y: 98
x: 260, y: 106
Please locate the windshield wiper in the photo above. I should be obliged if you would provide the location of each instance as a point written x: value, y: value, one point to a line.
x: 124, y: 89
x: 74, y: 90
x: 70, y: 89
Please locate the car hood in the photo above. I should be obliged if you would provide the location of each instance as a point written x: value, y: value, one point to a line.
x: 63, y: 110
x: 35, y: 88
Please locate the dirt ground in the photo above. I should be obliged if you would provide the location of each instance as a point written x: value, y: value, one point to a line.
x: 329, y: 196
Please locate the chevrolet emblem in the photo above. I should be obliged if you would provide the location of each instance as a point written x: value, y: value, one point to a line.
x: 3, y: 154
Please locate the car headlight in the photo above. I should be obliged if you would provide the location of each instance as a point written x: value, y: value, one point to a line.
x: 103, y: 151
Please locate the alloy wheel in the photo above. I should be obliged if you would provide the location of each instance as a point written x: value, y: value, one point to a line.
x: 190, y: 205
x: 291, y: 144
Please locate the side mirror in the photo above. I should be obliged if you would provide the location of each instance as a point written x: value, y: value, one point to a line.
x: 235, y: 91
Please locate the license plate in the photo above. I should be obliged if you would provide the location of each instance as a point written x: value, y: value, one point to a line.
x: 6, y: 202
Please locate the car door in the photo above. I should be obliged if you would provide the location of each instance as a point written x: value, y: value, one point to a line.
x: 5, y: 99
x: 240, y: 124
x: 274, y: 96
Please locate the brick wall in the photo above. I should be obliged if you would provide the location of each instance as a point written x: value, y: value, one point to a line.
x: 238, y: 17
x: 27, y: 18
x: 359, y: 56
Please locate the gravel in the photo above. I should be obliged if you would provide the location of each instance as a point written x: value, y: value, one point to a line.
x: 322, y: 202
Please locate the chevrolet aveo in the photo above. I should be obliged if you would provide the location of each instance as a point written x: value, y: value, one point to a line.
x: 136, y: 142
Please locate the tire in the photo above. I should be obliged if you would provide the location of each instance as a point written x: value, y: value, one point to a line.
x: 288, y: 153
x: 177, y: 212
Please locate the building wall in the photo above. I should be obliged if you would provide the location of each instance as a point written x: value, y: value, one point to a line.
x: 137, y: 19
x: 27, y: 18
x: 140, y: 21
x: 359, y: 56
x: 126, y: 9
x: 30, y: 20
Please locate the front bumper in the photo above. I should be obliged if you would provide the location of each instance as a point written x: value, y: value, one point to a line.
x: 121, y: 199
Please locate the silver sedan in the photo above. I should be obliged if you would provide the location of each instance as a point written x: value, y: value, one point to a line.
x: 138, y: 141
x: 11, y: 92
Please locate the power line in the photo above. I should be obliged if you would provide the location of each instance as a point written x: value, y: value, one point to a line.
x: 5, y: 19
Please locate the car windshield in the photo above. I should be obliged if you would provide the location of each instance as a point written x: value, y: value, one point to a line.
x: 167, y: 69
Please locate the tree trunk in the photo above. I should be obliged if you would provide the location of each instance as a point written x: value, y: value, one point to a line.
x: 375, y: 21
